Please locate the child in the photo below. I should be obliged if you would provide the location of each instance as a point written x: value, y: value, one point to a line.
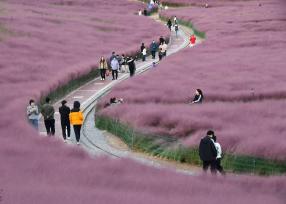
x: 193, y: 40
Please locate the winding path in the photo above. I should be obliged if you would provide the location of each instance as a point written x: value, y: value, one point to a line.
x: 97, y: 142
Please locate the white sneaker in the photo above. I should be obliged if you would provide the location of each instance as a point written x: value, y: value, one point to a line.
x: 68, y: 138
x: 77, y: 143
x: 65, y: 141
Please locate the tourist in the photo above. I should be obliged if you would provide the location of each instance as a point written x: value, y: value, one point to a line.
x: 153, y: 49
x: 140, y: 12
x: 160, y: 53
x: 48, y: 112
x: 193, y: 40
x: 145, y: 12
x: 123, y: 63
x: 175, y: 20
x: 161, y: 40
x: 199, y: 97
x: 33, y: 114
x: 76, y: 119
x: 144, y: 53
x: 176, y: 29
x: 208, y: 152
x: 102, y: 67
x: 164, y: 49
x: 114, y: 68
x: 169, y: 24
x: 64, y: 111
x: 132, y: 66
x: 219, y: 155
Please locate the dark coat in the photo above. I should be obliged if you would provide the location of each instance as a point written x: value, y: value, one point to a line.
x: 198, y: 98
x: 132, y: 66
x: 207, y: 149
x: 64, y: 112
x: 153, y: 47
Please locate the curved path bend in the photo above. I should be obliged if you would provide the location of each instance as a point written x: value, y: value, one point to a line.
x: 97, y: 142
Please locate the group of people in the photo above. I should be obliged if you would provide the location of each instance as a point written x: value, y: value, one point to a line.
x: 68, y: 117
x: 154, y: 48
x: 116, y: 64
x: 210, y: 153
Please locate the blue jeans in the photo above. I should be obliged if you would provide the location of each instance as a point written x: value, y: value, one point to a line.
x: 34, y: 123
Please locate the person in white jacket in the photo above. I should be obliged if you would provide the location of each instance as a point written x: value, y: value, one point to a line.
x: 33, y: 113
x: 219, y: 155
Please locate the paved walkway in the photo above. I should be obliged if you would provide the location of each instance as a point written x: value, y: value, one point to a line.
x: 93, y: 140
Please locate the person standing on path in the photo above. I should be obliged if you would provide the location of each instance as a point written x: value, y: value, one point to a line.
x: 48, y: 112
x: 153, y: 48
x: 76, y: 119
x: 160, y: 53
x: 102, y: 67
x: 164, y: 49
x: 65, y: 121
x: 193, y: 40
x: 114, y: 67
x: 131, y: 65
x: 161, y: 40
x: 176, y: 29
x: 199, y: 97
x: 144, y: 53
x: 208, y: 152
x: 169, y: 24
x: 123, y: 63
x: 219, y: 155
x: 33, y: 114
x: 175, y: 20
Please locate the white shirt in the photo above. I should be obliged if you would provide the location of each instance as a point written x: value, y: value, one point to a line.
x: 218, y: 149
x: 144, y: 52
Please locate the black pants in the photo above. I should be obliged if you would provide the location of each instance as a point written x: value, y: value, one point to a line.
x: 207, y: 164
x: 102, y: 73
x: 219, y: 167
x: 50, y: 126
x: 160, y: 56
x: 114, y: 74
x: 143, y: 58
x: 77, y: 129
x: 132, y: 71
x: 153, y: 54
x: 66, y: 128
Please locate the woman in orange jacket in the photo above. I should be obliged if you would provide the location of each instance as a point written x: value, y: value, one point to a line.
x: 76, y: 119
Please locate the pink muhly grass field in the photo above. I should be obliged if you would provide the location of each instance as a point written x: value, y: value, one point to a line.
x: 241, y: 60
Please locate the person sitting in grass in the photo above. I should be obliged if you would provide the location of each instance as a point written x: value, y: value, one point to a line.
x: 198, y: 98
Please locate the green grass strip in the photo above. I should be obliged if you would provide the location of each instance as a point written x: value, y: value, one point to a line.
x: 155, y: 145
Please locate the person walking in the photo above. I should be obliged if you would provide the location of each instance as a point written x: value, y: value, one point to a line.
x: 153, y: 49
x: 199, y: 97
x: 208, y: 152
x: 161, y: 40
x: 164, y: 49
x: 193, y: 40
x: 160, y: 53
x: 48, y: 112
x: 33, y: 114
x: 114, y: 67
x: 123, y: 63
x: 76, y: 119
x: 219, y: 155
x: 103, y: 67
x: 175, y: 20
x: 144, y: 53
x: 169, y: 24
x: 131, y: 65
x: 64, y: 111
x: 176, y: 29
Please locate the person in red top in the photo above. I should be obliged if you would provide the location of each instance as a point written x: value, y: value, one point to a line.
x: 193, y: 40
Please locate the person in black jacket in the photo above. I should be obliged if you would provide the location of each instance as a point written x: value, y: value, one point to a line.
x: 208, y: 152
x: 131, y: 65
x: 169, y: 24
x: 65, y: 121
x: 198, y: 98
